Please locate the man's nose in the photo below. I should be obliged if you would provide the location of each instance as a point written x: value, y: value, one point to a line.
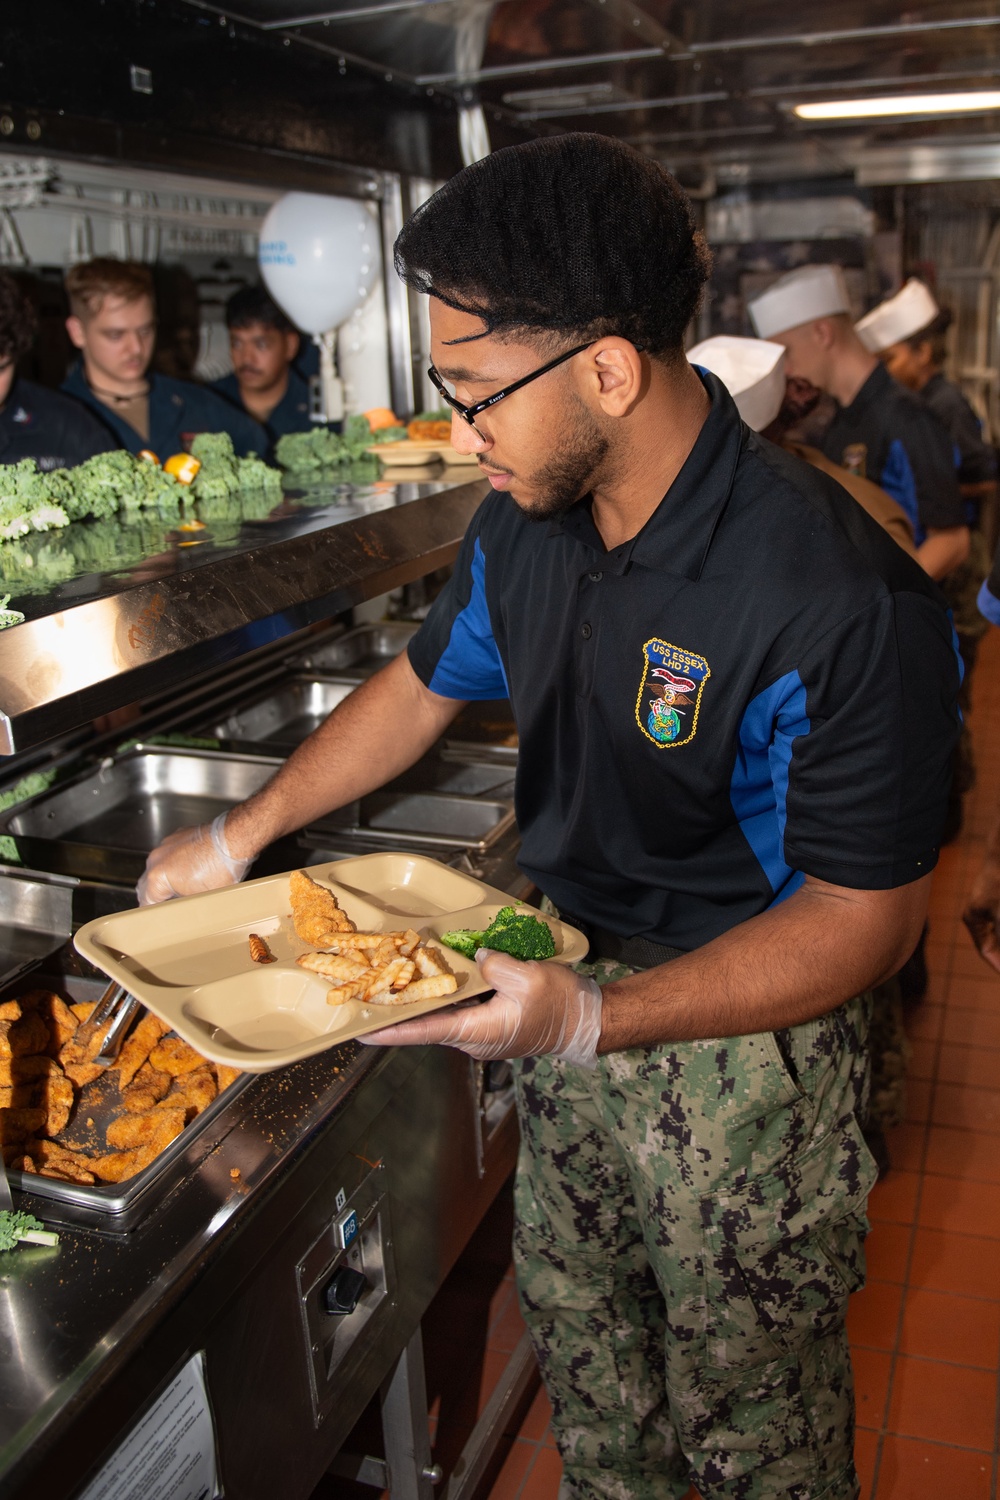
x: 464, y: 438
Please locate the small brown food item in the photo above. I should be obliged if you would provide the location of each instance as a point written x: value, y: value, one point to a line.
x: 20, y: 1124
x: 158, y: 1127
x: 195, y: 1091
x: 76, y: 1056
x: 18, y: 1038
x: 176, y: 1057
x: 234, y: 1173
x: 225, y: 1075
x: 146, y: 1089
x: 424, y: 431
x: 55, y: 1095
x: 138, y: 1047
x: 119, y: 1166
x: 259, y: 951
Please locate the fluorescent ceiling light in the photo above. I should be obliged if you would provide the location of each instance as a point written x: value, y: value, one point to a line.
x: 899, y: 104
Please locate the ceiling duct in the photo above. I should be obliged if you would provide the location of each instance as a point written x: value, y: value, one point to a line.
x: 928, y: 161
x: 570, y: 99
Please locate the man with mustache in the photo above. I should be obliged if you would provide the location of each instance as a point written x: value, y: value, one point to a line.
x: 265, y: 382
x: 692, y: 1180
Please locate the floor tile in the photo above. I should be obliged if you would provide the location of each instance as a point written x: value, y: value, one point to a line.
x: 967, y: 1108
x: 906, y: 1146
x: 865, y: 1452
x: 925, y: 1021
x: 974, y: 1028
x: 943, y: 1403
x: 965, y: 960
x: 894, y: 1198
x: 959, y: 1205
x: 955, y: 1263
x: 923, y: 1057
x: 912, y: 1470
x: 971, y: 1067
x: 543, y: 1479
x: 871, y: 1385
x: 886, y: 1251
x: 963, y: 1153
x: 873, y: 1316
x: 942, y: 1326
x: 918, y: 1099
x: 975, y: 993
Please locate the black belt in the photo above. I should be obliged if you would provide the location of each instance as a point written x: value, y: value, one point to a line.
x: 635, y: 952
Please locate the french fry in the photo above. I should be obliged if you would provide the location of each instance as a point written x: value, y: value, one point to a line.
x: 341, y: 966
x: 410, y: 940
x: 405, y: 974
x: 383, y: 981
x: 346, y: 942
x: 431, y: 988
x: 340, y: 994
x: 429, y: 964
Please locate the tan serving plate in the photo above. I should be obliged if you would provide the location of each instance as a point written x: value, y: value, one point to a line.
x: 189, y: 960
x: 407, y: 452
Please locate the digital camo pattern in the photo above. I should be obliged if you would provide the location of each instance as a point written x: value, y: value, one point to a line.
x: 690, y: 1222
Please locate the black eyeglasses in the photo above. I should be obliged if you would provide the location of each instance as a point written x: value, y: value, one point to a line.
x: 470, y: 413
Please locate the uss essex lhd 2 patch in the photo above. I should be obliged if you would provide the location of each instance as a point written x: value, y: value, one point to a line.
x: 669, y: 700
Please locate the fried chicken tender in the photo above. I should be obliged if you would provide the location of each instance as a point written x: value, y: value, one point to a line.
x: 119, y: 1166
x: 225, y: 1075
x: 56, y: 1096
x: 176, y: 1057
x: 83, y: 1010
x: 157, y: 1127
x: 65, y: 1174
x: 20, y: 1124
x: 60, y: 1020
x: 146, y: 1089
x: 137, y: 1048
x: 16, y: 1070
x: 17, y: 1096
x: 195, y: 1091
x: 10, y: 1010
x: 72, y: 1164
x: 76, y: 1056
x: 19, y: 1037
x: 316, y: 913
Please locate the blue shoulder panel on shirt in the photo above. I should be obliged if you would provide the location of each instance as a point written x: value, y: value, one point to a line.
x: 759, y: 789
x: 989, y: 604
x: 897, y: 480
x: 470, y: 665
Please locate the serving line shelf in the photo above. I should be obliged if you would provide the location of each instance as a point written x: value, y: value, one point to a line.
x: 98, y: 640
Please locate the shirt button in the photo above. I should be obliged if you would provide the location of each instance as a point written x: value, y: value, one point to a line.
x: 586, y: 631
x: 595, y: 577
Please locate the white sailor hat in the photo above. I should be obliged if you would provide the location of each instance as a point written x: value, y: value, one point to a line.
x: 798, y: 297
x: 753, y: 372
x: 898, y: 318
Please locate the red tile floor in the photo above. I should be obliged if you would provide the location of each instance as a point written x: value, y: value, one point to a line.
x: 925, y: 1331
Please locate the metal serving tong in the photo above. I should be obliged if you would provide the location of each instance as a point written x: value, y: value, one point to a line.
x: 116, y: 1002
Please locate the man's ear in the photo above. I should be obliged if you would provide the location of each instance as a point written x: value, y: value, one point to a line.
x: 617, y: 373
x: 292, y: 346
x: 74, y: 328
x: 824, y: 333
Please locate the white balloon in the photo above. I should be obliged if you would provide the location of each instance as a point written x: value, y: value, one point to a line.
x: 316, y: 258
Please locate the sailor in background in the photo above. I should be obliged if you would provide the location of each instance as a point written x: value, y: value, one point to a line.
x: 880, y: 431
x: 35, y: 422
x: 265, y: 381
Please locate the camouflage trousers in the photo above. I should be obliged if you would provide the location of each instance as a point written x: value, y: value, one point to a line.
x: 690, y: 1220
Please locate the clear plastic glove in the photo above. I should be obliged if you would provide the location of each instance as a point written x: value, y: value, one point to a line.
x: 538, y: 1009
x: 189, y: 861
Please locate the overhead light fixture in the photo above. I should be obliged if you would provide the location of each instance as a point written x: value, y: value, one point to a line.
x: 899, y: 104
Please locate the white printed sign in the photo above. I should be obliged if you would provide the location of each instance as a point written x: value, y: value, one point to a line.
x: 170, y: 1452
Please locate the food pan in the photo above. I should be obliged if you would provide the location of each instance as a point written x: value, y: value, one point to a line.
x: 359, y: 653
x: 102, y: 824
x: 279, y: 719
x: 111, y: 1205
x: 189, y: 960
x: 431, y: 819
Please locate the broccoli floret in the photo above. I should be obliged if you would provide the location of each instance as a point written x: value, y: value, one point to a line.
x: 389, y: 435
x: 463, y: 940
x: 519, y: 934
x: 211, y: 448
x: 15, y: 1227
x: 9, y: 617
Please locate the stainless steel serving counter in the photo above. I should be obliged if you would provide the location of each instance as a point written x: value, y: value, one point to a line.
x: 177, y: 602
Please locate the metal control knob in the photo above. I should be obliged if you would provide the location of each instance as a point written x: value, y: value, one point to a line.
x: 343, y: 1291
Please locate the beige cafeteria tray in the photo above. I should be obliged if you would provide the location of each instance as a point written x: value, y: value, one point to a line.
x: 189, y: 960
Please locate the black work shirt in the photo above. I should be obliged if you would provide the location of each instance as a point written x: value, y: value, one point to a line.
x: 760, y: 685
x: 291, y: 413
x: 54, y: 430
x: 977, y: 459
x: 888, y: 435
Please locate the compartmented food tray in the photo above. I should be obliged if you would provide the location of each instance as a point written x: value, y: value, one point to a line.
x: 189, y: 960
x: 280, y: 718
x: 436, y: 820
x: 360, y: 652
x: 102, y: 824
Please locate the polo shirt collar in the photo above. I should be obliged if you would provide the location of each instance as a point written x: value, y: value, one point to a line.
x: 677, y: 537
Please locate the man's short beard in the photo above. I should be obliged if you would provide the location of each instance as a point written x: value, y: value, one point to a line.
x: 568, y: 476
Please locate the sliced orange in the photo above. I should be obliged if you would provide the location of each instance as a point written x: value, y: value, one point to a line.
x: 183, y: 466
x: 148, y: 456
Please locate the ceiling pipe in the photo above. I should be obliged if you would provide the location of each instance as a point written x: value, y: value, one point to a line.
x: 853, y: 34
x: 845, y: 88
x: 624, y: 106
x: 543, y: 65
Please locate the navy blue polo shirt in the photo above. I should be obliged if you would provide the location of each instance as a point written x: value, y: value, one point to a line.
x: 178, y: 411
x: 54, y: 430
x: 889, y: 435
x: 291, y: 413
x: 977, y: 459
x: 758, y: 686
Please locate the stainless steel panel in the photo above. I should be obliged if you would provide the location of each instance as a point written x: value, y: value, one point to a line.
x: 279, y: 720
x: 360, y: 652
x: 35, y: 918
x: 103, y: 823
x: 422, y: 818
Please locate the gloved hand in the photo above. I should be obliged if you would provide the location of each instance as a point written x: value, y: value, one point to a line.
x: 189, y: 861
x: 538, y: 1008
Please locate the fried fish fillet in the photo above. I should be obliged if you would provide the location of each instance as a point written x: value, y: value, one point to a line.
x: 316, y: 913
x: 28, y: 1034
x: 119, y: 1166
x: 195, y: 1091
x: 137, y: 1048
x: 157, y: 1127
x: 175, y: 1056
x: 146, y: 1089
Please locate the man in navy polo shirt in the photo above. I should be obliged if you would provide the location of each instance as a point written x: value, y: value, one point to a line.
x: 264, y: 382
x: 735, y: 699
